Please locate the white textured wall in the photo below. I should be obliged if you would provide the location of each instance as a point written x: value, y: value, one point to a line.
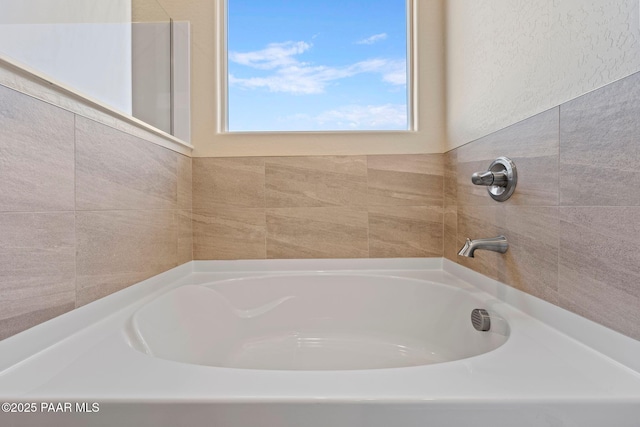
x: 510, y: 59
x: 82, y: 44
x: 593, y: 42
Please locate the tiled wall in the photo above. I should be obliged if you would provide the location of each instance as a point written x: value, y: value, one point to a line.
x: 85, y: 210
x: 318, y: 207
x: 573, y: 223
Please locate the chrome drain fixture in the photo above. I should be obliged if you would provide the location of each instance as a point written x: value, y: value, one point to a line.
x: 481, y: 320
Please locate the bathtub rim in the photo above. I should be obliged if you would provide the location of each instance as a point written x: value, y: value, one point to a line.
x: 22, y: 347
x: 422, y: 385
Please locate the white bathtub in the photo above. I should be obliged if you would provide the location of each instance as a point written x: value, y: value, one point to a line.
x: 321, y: 343
x: 316, y: 321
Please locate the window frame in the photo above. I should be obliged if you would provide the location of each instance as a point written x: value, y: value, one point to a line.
x: 425, y: 133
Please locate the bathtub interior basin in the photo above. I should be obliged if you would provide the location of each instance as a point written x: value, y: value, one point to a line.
x: 313, y: 322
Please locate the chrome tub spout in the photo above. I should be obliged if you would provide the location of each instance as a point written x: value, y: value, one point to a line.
x: 495, y: 244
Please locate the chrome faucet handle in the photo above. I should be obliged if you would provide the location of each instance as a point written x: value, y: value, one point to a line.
x: 490, y: 178
x: 500, y: 179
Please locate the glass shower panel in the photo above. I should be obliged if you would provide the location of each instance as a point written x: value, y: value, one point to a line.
x: 151, y: 34
x: 83, y: 45
x: 114, y: 52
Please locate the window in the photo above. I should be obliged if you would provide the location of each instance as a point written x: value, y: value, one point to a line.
x: 313, y: 65
x: 423, y: 132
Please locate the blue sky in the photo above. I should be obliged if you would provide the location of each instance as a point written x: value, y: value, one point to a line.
x: 313, y: 65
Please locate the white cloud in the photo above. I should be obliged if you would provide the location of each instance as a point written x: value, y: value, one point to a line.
x: 273, y: 56
x: 293, y: 76
x: 373, y: 39
x: 368, y: 117
x: 396, y: 73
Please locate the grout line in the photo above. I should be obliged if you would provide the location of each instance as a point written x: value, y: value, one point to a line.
x: 176, y: 216
x: 444, y: 199
x: 559, y: 204
x: 193, y: 240
x: 266, y: 231
x: 75, y: 212
x: 368, y: 211
x: 264, y: 205
x: 37, y: 212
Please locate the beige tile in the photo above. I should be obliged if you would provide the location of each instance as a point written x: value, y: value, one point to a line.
x: 238, y: 182
x: 450, y: 233
x: 119, y: 248
x: 599, y: 267
x: 317, y: 233
x: 229, y: 233
x: 185, y: 236
x: 451, y: 178
x: 584, y: 185
x: 599, y: 148
x: 405, y: 231
x: 36, y: 155
x: 450, y: 250
x: 405, y: 180
x: 430, y: 164
x: 115, y: 170
x: 594, y: 300
x: 316, y: 181
x: 37, y: 268
x: 23, y: 314
x: 533, y: 146
x: 37, y: 254
x: 531, y: 263
x: 185, y: 182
